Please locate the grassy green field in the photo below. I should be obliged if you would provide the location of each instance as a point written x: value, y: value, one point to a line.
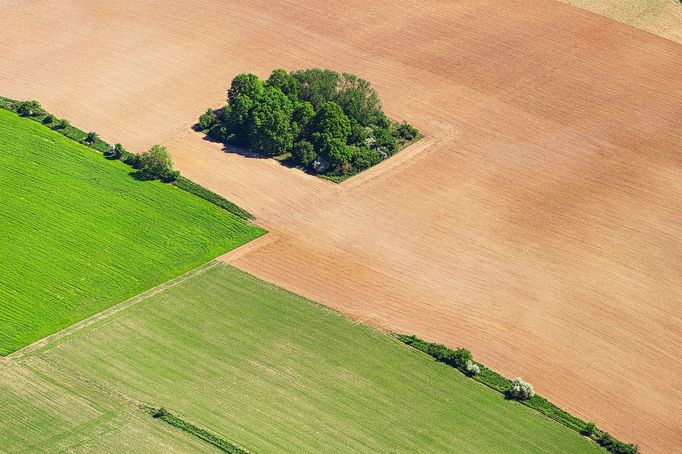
x: 79, y: 234
x: 267, y: 370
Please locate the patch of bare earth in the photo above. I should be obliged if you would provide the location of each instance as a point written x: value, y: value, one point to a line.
x: 539, y: 224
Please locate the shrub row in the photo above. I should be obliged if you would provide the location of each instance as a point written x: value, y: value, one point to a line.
x: 506, y: 387
x: 190, y: 186
x: 33, y: 111
x: 198, y: 432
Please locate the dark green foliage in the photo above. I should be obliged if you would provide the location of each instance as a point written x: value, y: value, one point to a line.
x: 493, y: 380
x: 285, y: 82
x: 338, y: 114
x: 363, y: 158
x: 406, y: 131
x: 200, y: 191
x: 198, y: 432
x: 269, y: 123
x: 207, y: 119
x: 316, y: 85
x: 304, y: 153
x: 330, y: 120
x: 49, y: 119
x: 115, y: 151
x: 334, y: 151
x: 62, y: 124
x: 245, y: 85
x: 29, y: 109
x: 91, y: 137
x: 588, y: 430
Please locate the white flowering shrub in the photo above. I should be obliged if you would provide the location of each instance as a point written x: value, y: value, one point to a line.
x: 472, y: 368
x: 521, y: 390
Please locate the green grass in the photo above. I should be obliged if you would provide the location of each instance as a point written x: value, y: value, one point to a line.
x: 272, y: 372
x: 79, y: 234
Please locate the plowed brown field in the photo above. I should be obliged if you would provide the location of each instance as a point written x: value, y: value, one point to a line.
x: 538, y: 224
x: 662, y: 17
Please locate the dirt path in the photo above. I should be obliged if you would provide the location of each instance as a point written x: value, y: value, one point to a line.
x: 539, y: 224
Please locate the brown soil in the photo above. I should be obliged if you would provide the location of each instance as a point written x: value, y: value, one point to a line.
x: 538, y: 224
x: 661, y: 17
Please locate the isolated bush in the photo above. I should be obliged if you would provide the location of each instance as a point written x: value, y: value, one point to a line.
x: 161, y: 412
x: 157, y: 164
x: 520, y: 390
x: 91, y: 137
x: 472, y: 368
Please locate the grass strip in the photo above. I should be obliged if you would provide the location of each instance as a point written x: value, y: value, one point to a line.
x: 495, y: 381
x: 203, y: 434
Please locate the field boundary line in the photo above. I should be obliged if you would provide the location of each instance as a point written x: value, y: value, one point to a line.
x: 251, y: 246
x: 37, y: 345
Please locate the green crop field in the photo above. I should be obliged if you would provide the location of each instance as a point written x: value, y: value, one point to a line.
x: 261, y: 368
x: 79, y: 234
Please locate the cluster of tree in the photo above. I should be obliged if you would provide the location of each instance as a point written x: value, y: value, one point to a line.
x: 154, y: 164
x: 329, y: 122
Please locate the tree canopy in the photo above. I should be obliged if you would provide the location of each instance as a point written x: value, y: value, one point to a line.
x: 327, y: 122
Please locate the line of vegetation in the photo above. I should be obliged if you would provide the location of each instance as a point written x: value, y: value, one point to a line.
x: 321, y: 121
x: 203, y: 434
x: 156, y: 163
x: 516, y: 389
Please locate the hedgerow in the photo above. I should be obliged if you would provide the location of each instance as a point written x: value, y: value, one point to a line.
x: 203, y: 434
x: 34, y: 111
x: 325, y: 122
x: 505, y: 387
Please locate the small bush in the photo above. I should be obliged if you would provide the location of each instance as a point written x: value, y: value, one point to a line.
x: 588, y: 430
x: 161, y: 412
x: 62, y: 124
x: 406, y: 131
x: 49, y: 119
x: 520, y: 390
x: 91, y: 137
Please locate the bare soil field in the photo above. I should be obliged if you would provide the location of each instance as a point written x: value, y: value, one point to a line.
x: 661, y: 17
x: 538, y: 224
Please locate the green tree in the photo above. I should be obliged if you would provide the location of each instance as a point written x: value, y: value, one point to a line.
x: 316, y: 85
x: 330, y: 120
x: 208, y: 119
x: 157, y: 163
x: 245, y: 85
x: 358, y: 99
x: 304, y: 153
x: 335, y: 152
x: 302, y: 118
x: 285, y: 82
x: 236, y: 119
